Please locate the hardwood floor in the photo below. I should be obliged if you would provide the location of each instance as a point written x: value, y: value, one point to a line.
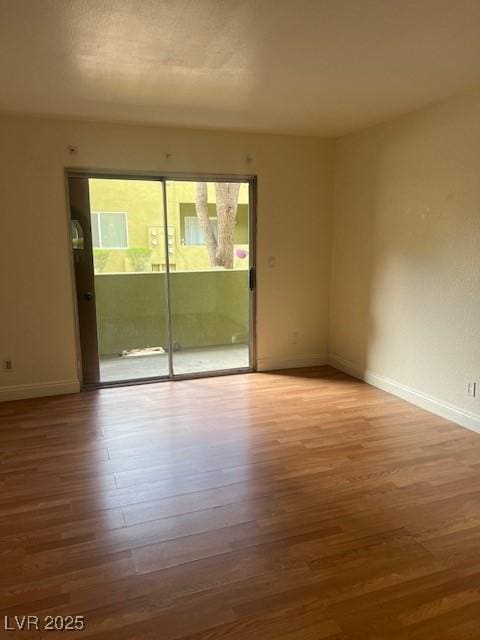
x: 302, y: 504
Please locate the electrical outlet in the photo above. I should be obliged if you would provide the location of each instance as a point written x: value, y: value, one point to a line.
x: 295, y: 337
x: 472, y: 389
x: 7, y: 364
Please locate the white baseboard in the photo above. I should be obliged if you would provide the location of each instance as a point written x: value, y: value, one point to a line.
x: 418, y: 398
x: 271, y: 364
x: 39, y: 389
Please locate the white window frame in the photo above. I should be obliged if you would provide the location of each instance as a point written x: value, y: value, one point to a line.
x: 100, y: 245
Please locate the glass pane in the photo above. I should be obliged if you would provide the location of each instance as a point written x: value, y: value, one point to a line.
x: 209, y: 280
x: 95, y: 233
x: 130, y: 278
x: 113, y: 229
x: 193, y: 233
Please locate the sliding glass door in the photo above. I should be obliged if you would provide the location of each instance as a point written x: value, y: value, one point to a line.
x: 164, y: 274
x: 209, y: 275
x: 124, y: 254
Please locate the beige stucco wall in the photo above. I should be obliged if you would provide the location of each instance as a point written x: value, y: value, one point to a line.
x: 38, y: 321
x: 405, y: 287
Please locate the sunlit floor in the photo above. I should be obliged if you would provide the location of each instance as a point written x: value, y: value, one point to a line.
x: 186, y: 361
x: 291, y: 505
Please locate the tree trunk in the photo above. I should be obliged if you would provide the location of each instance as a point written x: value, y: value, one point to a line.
x: 227, y: 200
x: 220, y: 248
x: 201, y: 205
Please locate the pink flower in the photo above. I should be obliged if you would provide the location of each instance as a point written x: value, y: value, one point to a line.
x: 241, y: 253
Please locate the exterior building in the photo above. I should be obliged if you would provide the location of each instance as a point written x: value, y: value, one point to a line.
x: 128, y: 233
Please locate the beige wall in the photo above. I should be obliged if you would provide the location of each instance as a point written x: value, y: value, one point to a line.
x: 405, y: 284
x: 37, y: 313
x: 405, y: 267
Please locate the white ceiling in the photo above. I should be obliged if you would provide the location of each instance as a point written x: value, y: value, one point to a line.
x: 321, y: 67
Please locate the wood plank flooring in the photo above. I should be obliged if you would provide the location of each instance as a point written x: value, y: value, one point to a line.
x: 292, y: 505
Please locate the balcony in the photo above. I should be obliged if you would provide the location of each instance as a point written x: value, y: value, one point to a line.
x: 210, y: 321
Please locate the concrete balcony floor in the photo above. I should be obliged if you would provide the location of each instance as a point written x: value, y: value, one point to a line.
x: 186, y: 361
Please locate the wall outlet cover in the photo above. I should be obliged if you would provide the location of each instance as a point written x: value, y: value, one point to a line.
x: 472, y: 389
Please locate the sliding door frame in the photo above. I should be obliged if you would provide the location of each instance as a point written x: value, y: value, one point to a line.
x: 252, y: 253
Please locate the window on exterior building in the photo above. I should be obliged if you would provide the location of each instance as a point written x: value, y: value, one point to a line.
x: 109, y: 230
x: 193, y: 233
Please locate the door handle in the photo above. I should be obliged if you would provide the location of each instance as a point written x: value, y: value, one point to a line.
x: 251, y: 279
x: 88, y: 295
